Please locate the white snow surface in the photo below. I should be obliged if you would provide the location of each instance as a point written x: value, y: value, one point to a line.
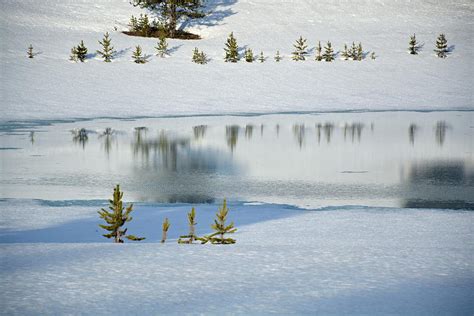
x: 51, y: 87
x: 350, y: 260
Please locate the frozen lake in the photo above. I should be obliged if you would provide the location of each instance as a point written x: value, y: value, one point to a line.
x: 395, y: 159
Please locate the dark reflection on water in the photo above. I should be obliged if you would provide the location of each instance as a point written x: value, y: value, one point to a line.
x: 440, y: 184
x: 310, y: 160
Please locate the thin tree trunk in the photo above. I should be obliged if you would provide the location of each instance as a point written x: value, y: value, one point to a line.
x: 173, y: 20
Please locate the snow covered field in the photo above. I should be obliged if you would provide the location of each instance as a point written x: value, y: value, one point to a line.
x: 51, y: 87
x: 333, y: 260
x: 286, y: 261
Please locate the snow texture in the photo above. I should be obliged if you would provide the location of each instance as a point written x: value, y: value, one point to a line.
x: 286, y: 261
x: 51, y: 87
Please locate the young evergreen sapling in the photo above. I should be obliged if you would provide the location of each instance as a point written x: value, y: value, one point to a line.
x: 413, y: 45
x: 231, y: 49
x: 133, y: 24
x: 248, y: 55
x: 319, y: 51
x: 115, y: 218
x: 360, y: 52
x: 261, y: 58
x: 162, y: 48
x: 30, y: 51
x: 137, y: 55
x: 372, y: 56
x: 166, y: 225
x: 81, y: 51
x: 73, y: 56
x: 328, y: 52
x: 144, y: 25
x: 441, y: 46
x: 191, y: 237
x: 221, y: 228
x: 277, y: 57
x: 300, y: 49
x: 353, y: 52
x: 107, y: 51
x: 345, y: 53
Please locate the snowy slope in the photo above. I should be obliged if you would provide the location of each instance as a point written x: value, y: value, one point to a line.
x: 49, y: 86
x: 286, y: 261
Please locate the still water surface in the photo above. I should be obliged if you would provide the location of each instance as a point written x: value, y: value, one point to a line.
x: 400, y: 159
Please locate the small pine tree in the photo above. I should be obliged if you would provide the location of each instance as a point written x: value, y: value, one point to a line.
x: 191, y: 237
x: 231, y: 49
x: 248, y: 55
x: 345, y: 53
x: 199, y: 57
x: 81, y: 51
x: 144, y: 25
x: 137, y: 55
x: 441, y: 46
x: 353, y: 52
x: 220, y: 227
x: 372, y: 56
x: 30, y: 51
x: 328, y: 52
x: 107, y: 51
x: 73, y: 56
x: 162, y: 48
x: 319, y: 51
x: 300, y: 49
x: 360, y: 52
x: 166, y: 225
x: 133, y: 24
x: 115, y: 218
x: 277, y: 57
x: 413, y: 45
x: 261, y: 58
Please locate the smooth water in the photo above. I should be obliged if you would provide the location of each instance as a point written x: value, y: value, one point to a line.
x: 401, y: 159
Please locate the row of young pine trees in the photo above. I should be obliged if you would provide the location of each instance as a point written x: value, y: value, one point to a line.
x: 117, y: 216
x: 355, y: 52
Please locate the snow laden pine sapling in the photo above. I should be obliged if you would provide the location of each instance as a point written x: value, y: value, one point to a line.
x: 162, y: 47
x: 360, y: 52
x: 220, y: 227
x: 328, y: 52
x: 137, y: 55
x: 248, y: 55
x: 319, y: 52
x: 191, y: 237
x: 115, y: 218
x: 231, y: 49
x: 199, y: 57
x: 166, y: 225
x: 413, y: 45
x: 107, y: 51
x: 30, y: 51
x: 278, y: 57
x: 345, y: 53
x: 261, y: 58
x: 73, y: 55
x: 300, y: 49
x: 81, y: 52
x: 441, y: 49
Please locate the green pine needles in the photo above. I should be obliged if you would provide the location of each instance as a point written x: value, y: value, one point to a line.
x: 278, y: 57
x: 231, y: 50
x: 116, y: 218
x: 107, y: 51
x: 78, y: 53
x: 191, y: 237
x: 328, y: 52
x: 319, y: 52
x: 137, y: 55
x: 441, y: 49
x: 300, y: 49
x: 199, y: 57
x: 162, y: 47
x: 221, y: 228
x: 261, y: 58
x: 248, y: 55
x: 413, y: 45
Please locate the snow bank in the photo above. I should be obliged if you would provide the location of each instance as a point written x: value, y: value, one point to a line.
x: 286, y: 261
x: 49, y: 86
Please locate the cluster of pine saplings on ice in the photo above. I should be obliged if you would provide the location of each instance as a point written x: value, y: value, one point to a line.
x: 117, y: 215
x: 300, y: 53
